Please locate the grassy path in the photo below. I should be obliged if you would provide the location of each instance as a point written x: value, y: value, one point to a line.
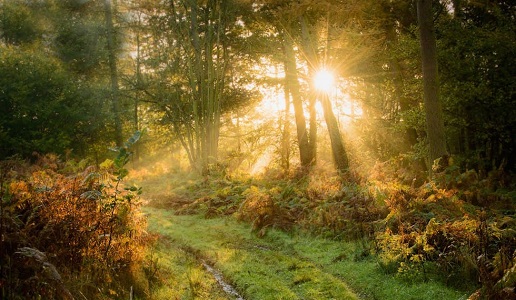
x: 277, y: 266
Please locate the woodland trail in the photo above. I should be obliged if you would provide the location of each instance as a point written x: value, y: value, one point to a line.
x: 199, y: 256
x: 252, y: 268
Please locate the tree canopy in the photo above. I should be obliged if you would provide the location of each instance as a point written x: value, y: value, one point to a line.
x: 189, y: 69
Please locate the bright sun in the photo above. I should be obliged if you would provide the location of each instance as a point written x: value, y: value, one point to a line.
x: 323, y: 80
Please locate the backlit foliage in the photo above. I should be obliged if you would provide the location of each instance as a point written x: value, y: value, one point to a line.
x: 456, y: 228
x: 467, y: 234
x: 84, y: 226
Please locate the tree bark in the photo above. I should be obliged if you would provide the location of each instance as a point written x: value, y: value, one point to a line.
x: 285, y: 133
x: 337, y: 145
x: 139, y: 87
x: 433, y: 109
x: 292, y: 82
x: 113, y: 72
x: 310, y: 49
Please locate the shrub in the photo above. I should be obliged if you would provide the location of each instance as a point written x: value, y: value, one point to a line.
x: 67, y: 234
x: 433, y: 230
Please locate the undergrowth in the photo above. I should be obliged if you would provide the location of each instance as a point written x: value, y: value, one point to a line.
x: 69, y: 230
x: 458, y: 228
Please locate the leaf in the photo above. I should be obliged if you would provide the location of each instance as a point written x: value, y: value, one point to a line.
x: 122, y: 173
x: 91, y: 195
x: 91, y: 177
x: 108, y: 163
x: 132, y: 140
x: 131, y: 188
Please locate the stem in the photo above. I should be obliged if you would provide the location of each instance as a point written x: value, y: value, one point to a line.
x: 1, y: 217
x: 111, y: 219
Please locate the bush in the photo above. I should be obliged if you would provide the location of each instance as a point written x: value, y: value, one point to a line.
x: 434, y: 230
x: 261, y: 208
x: 67, y: 234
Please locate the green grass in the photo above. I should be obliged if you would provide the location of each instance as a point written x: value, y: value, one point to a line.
x: 259, y: 269
x: 174, y: 273
x: 278, y: 266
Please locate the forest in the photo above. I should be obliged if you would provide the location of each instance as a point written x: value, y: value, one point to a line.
x: 265, y: 149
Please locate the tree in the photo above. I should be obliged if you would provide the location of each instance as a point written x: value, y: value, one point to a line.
x: 292, y: 83
x: 70, y: 34
x: 288, y: 21
x: 316, y: 58
x: 433, y: 109
x: 309, y: 46
x: 41, y: 110
x: 79, y: 37
x: 324, y: 42
x: 477, y: 45
x: 340, y: 156
x: 194, y: 52
x: 90, y: 38
x: 18, y: 24
x: 113, y: 72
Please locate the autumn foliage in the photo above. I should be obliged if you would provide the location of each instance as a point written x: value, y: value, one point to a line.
x: 67, y: 229
x: 457, y: 227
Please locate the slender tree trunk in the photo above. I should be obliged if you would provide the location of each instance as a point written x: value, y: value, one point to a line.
x: 209, y: 96
x: 113, y: 72
x: 310, y: 50
x: 294, y: 88
x: 312, y: 141
x: 139, y: 86
x: 219, y: 63
x: 285, y: 135
x: 433, y: 109
x: 207, y: 73
x: 197, y: 83
x: 340, y: 157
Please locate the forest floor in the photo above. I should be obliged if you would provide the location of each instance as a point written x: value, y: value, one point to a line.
x: 196, y: 257
x: 277, y: 266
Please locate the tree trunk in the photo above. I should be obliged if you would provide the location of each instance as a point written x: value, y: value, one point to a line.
x: 294, y: 88
x: 207, y: 77
x: 113, y: 72
x: 139, y: 87
x: 196, y: 78
x: 457, y: 8
x: 285, y: 132
x: 340, y: 157
x: 310, y: 50
x: 433, y: 109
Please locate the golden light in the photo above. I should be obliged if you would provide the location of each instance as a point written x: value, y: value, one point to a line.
x: 324, y: 80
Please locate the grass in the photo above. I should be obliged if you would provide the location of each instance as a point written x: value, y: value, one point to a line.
x: 259, y: 269
x: 277, y: 266
x: 175, y: 273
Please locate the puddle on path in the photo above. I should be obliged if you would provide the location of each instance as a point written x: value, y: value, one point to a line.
x: 228, y: 288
